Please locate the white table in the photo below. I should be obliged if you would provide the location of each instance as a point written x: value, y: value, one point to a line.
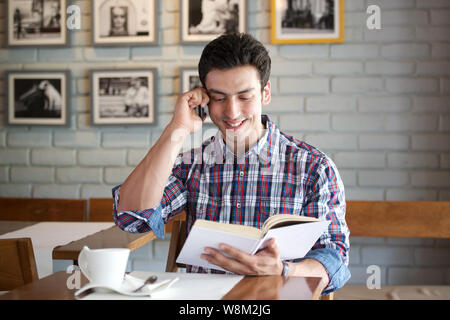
x: 197, y: 286
x: 47, y: 235
x: 192, y: 286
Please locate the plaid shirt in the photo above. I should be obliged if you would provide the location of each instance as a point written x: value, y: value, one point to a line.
x: 279, y: 174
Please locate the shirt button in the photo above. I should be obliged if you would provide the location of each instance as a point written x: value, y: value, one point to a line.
x: 238, y: 205
x: 241, y: 174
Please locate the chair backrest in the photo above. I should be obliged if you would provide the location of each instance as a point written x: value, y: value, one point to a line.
x: 177, y: 239
x: 100, y: 210
x: 408, y: 219
x: 17, y: 263
x: 31, y: 209
x: 176, y: 243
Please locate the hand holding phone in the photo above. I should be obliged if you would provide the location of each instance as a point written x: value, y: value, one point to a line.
x: 189, y: 108
x: 200, y: 112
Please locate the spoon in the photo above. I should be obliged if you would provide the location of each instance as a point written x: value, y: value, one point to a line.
x: 149, y: 280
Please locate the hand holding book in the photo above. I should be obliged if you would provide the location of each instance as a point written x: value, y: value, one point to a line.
x: 295, y: 235
x: 265, y: 262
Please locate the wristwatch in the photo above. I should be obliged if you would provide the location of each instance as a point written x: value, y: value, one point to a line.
x: 285, y: 272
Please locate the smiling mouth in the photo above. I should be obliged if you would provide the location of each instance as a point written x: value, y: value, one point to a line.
x: 235, y: 125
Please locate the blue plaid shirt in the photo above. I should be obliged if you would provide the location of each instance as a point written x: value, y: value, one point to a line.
x: 279, y: 174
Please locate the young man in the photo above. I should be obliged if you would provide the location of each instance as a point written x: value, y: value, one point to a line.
x: 246, y: 173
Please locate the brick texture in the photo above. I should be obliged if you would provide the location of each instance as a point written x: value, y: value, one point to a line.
x: 377, y: 104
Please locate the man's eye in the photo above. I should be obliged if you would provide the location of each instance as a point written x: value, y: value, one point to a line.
x: 218, y: 99
x: 245, y: 98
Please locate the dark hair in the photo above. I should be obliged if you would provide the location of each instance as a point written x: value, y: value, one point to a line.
x: 235, y: 50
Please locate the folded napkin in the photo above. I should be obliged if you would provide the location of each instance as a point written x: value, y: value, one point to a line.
x: 130, y: 284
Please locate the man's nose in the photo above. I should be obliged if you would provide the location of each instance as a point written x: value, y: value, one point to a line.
x: 233, y: 109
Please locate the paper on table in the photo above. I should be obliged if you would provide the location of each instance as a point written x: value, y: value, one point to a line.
x: 129, y: 285
x: 190, y: 286
x: 47, y: 235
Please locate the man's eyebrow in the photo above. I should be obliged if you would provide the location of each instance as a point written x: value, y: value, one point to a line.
x: 209, y: 91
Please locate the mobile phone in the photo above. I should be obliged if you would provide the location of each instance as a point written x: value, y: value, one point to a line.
x: 200, y: 112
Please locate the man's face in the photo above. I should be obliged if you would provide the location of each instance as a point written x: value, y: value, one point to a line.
x: 235, y: 104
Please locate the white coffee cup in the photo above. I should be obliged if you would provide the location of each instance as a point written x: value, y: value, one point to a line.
x: 104, y: 267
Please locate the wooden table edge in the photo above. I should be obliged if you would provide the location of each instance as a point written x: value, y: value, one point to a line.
x: 59, y: 253
x: 44, y: 289
x: 317, y: 292
x: 141, y: 241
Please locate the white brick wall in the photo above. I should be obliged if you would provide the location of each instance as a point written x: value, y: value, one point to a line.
x: 377, y: 104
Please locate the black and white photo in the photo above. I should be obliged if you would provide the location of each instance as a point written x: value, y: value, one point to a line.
x: 123, y: 97
x: 189, y: 81
x: 204, y: 20
x: 37, y: 97
x: 307, y: 21
x: 116, y: 22
x: 36, y: 22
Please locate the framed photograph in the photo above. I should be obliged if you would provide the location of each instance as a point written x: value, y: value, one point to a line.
x: 123, y: 96
x: 204, y: 20
x: 119, y: 22
x: 307, y: 21
x: 190, y: 80
x: 37, y: 98
x: 36, y: 23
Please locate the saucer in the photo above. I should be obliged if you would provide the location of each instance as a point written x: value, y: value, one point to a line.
x: 128, y: 286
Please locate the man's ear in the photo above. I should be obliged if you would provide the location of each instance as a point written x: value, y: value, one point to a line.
x: 266, y: 94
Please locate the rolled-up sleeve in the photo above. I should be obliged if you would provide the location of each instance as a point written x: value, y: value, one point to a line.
x: 338, y: 272
x: 326, y: 200
x: 153, y: 219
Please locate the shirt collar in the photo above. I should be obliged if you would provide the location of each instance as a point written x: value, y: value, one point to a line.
x: 267, y: 146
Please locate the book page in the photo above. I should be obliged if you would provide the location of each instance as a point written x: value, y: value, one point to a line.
x: 238, y: 229
x: 200, y: 237
x: 296, y: 240
x: 281, y: 220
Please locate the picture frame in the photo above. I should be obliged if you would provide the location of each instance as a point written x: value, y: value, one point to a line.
x: 307, y: 21
x: 223, y: 17
x: 123, y: 97
x: 36, y: 23
x: 38, y: 97
x: 189, y: 80
x: 121, y: 22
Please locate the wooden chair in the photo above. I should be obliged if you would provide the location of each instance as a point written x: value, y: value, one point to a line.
x: 177, y: 239
x: 32, y: 209
x: 17, y: 263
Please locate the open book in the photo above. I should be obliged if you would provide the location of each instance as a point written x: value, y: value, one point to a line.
x: 295, y: 235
